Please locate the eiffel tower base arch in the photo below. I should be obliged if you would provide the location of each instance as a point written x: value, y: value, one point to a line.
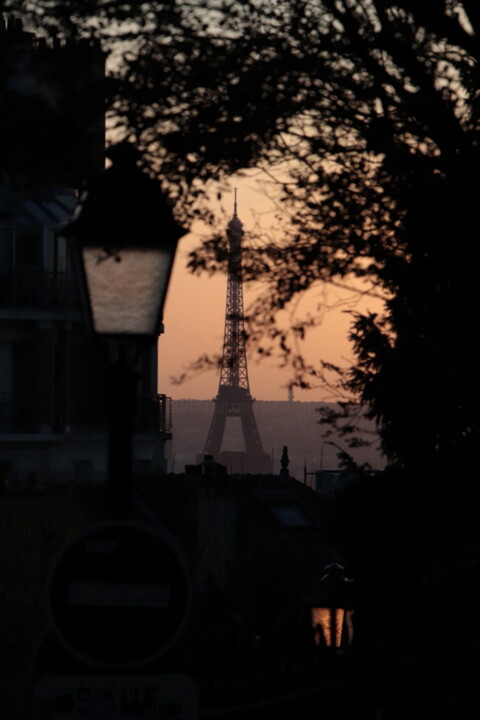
x: 236, y: 402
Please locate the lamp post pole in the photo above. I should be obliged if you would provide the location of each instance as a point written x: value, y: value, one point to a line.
x: 120, y: 396
x: 122, y: 239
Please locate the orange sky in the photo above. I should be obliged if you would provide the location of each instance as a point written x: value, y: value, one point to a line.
x: 194, y: 319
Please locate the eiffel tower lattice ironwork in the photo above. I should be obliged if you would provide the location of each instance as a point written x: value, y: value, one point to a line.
x: 233, y: 398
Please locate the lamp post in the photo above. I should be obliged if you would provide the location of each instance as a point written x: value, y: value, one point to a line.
x: 331, y: 609
x: 122, y: 241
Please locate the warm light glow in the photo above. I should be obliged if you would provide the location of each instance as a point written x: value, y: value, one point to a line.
x: 125, y: 289
x: 195, y: 313
x: 328, y: 623
x: 332, y: 623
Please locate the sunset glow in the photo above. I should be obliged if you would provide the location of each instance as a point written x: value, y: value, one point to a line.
x: 195, y: 307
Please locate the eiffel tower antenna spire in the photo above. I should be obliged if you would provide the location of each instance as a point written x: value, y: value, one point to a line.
x: 233, y: 399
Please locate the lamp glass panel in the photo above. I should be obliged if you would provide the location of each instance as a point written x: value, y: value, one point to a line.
x: 327, y: 624
x: 126, y: 289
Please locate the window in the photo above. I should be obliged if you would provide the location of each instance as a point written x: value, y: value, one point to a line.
x: 55, y: 252
x: 27, y: 246
x: 6, y: 247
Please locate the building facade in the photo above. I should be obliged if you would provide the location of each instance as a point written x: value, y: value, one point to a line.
x: 52, y: 417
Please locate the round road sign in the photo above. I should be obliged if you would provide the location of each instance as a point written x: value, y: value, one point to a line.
x: 119, y: 594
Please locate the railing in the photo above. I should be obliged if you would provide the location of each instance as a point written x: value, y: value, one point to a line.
x: 38, y: 288
x: 155, y: 414
x: 19, y: 414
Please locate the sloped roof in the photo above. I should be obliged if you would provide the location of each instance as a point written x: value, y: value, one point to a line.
x: 53, y: 206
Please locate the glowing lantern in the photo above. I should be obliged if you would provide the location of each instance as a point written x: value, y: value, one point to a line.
x: 331, y: 608
x: 123, y: 239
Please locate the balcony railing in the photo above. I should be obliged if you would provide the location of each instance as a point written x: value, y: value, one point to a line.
x: 19, y: 414
x: 36, y: 288
x: 155, y: 414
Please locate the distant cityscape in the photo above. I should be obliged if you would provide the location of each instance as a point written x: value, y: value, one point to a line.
x: 291, y: 423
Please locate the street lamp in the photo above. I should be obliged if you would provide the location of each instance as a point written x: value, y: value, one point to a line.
x: 331, y: 609
x: 122, y: 241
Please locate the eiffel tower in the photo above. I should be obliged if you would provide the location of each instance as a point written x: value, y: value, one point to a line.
x: 233, y: 399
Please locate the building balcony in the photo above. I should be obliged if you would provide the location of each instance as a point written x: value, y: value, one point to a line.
x: 19, y: 413
x: 155, y: 414
x: 36, y: 288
